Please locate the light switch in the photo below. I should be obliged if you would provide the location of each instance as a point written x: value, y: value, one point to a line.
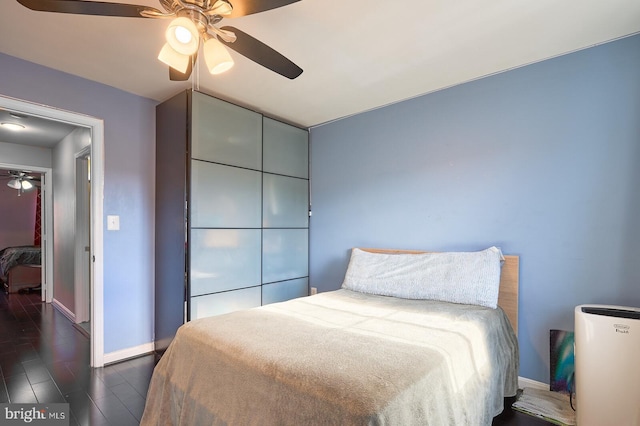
x: 113, y: 223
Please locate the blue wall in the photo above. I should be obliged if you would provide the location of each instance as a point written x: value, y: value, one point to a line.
x: 543, y: 161
x: 129, y: 184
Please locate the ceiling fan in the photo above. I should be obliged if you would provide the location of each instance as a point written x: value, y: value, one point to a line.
x: 193, y: 21
x: 21, y: 180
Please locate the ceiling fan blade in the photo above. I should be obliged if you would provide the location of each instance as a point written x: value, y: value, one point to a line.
x: 81, y: 7
x: 175, y: 75
x: 248, y: 7
x: 262, y: 54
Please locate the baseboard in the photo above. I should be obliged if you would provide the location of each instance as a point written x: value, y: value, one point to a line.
x: 121, y: 355
x: 523, y: 382
x: 111, y: 357
x: 63, y: 309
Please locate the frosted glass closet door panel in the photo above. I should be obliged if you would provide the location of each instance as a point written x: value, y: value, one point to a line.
x: 285, y: 202
x: 222, y: 303
x: 224, y: 259
x: 224, y: 196
x: 285, y: 290
x: 286, y: 149
x: 285, y: 254
x: 225, y: 133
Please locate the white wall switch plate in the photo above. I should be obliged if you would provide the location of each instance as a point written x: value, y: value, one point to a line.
x: 113, y: 223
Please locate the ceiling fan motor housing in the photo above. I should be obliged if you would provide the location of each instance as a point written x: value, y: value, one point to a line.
x: 197, y: 11
x: 198, y: 18
x: 175, y: 5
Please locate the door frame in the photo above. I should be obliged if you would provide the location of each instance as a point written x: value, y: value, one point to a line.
x: 96, y: 127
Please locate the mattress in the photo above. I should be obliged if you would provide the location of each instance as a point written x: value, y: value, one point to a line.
x: 338, y: 358
x: 19, y: 255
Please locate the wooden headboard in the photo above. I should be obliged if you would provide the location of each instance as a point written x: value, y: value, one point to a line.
x: 509, y: 281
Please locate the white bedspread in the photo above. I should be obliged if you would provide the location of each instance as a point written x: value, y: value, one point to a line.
x: 338, y: 358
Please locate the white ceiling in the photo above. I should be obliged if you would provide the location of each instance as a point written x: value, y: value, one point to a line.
x: 356, y: 55
x: 37, y: 131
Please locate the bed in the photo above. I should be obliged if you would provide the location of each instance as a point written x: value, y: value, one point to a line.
x: 345, y: 357
x: 20, y: 268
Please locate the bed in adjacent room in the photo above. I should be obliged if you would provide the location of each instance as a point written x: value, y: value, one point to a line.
x: 389, y: 347
x: 20, y: 268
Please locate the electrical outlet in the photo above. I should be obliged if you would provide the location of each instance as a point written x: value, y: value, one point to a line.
x: 314, y: 290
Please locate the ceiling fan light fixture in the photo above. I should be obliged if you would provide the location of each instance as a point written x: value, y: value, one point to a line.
x: 216, y: 56
x: 174, y: 59
x: 182, y: 35
x: 26, y: 185
x: 14, y: 183
x: 190, y: 23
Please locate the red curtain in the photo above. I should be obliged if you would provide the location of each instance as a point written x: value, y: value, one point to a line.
x: 38, y: 224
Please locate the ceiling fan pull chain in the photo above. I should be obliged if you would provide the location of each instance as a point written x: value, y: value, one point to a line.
x: 194, y: 72
x: 196, y: 66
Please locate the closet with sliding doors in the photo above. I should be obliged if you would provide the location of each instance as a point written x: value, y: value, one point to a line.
x: 232, y: 211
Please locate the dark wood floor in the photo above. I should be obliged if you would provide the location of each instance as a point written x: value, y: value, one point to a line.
x: 45, y: 359
x: 511, y: 417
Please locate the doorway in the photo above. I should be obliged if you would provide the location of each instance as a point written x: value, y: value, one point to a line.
x: 46, y: 223
x: 21, y: 190
x: 96, y: 128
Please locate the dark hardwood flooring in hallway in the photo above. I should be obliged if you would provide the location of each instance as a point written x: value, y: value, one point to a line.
x: 45, y: 359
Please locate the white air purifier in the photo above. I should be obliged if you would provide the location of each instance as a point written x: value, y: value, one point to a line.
x: 607, y: 365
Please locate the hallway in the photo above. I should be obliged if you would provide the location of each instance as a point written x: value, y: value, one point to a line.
x: 44, y: 358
